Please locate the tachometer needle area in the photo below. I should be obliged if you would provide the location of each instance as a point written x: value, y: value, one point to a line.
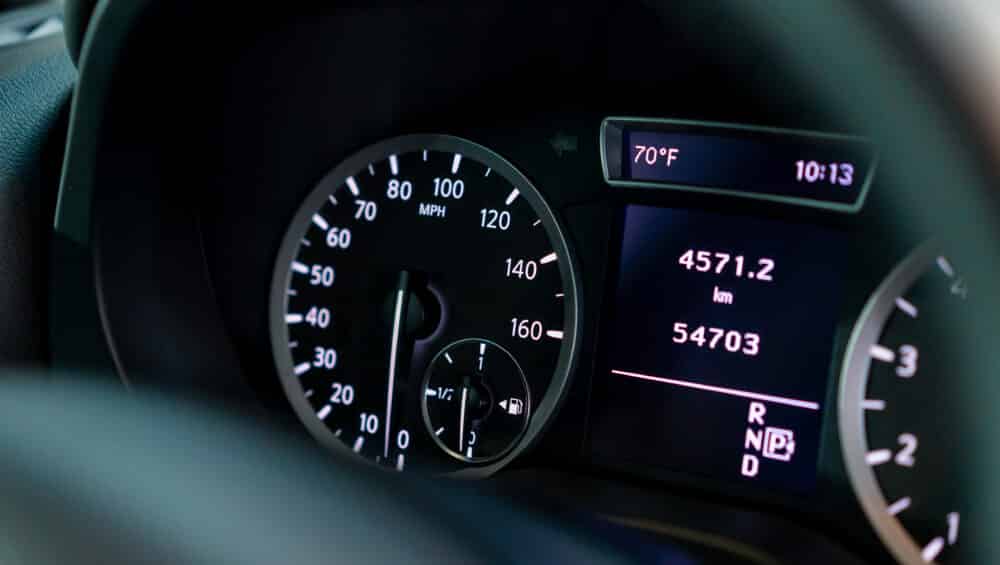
x: 398, y: 323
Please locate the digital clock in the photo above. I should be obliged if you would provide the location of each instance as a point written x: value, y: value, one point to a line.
x: 839, y: 174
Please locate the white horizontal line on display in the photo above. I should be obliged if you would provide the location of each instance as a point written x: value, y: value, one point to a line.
x: 723, y: 390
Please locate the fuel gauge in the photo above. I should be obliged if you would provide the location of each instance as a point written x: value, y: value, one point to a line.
x: 476, y: 402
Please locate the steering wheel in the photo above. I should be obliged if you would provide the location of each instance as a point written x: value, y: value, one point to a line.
x: 95, y: 474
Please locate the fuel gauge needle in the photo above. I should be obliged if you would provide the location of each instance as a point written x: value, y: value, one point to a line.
x: 398, y: 323
x: 461, y: 419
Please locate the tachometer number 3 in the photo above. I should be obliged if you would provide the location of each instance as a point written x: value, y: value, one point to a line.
x: 908, y: 356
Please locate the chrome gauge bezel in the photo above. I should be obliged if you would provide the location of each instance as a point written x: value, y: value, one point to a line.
x: 299, y: 224
x: 853, y: 387
x: 425, y: 413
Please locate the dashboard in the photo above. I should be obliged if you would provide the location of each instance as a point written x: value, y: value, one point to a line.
x: 590, y: 256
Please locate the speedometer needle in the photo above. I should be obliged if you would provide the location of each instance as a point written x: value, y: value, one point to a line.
x: 461, y: 419
x: 397, y: 329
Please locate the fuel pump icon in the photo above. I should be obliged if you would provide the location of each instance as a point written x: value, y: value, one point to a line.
x: 513, y: 406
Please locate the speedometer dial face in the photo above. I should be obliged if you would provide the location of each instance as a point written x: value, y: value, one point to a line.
x: 408, y: 246
x: 900, y: 411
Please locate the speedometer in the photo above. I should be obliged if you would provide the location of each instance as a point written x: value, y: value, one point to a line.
x: 403, y: 250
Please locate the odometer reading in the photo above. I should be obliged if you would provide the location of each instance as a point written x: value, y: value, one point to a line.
x: 409, y: 246
x: 718, y: 346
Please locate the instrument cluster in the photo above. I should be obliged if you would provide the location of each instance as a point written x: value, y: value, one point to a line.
x: 470, y: 256
x: 425, y: 313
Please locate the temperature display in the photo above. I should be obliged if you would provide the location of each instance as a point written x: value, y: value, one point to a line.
x: 806, y: 168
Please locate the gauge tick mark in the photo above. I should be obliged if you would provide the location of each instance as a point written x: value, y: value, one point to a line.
x: 907, y: 307
x: 352, y: 185
x: 899, y: 505
x: 870, y: 404
x: 512, y: 197
x: 933, y: 549
x: 945, y: 266
x: 320, y: 222
x: 878, y: 457
x: 882, y: 353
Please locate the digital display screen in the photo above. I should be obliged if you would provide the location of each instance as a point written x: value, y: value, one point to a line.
x: 820, y: 170
x: 719, y: 346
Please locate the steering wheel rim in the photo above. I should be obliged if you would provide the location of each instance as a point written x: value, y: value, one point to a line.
x: 167, y: 482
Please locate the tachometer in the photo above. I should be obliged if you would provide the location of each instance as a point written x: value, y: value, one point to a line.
x: 900, y: 413
x: 404, y: 250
